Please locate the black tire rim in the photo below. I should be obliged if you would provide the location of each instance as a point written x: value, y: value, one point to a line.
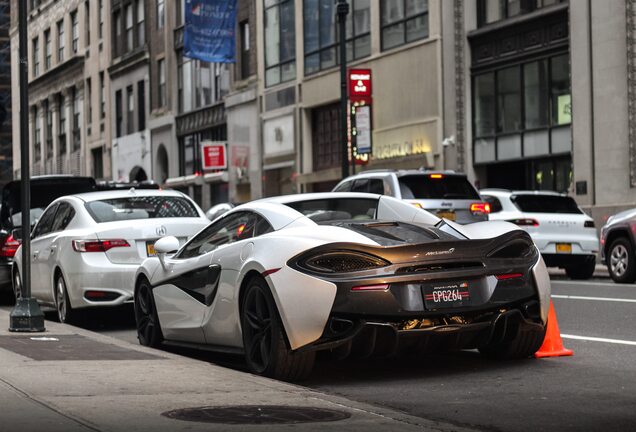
x: 145, y: 314
x: 17, y: 286
x: 257, y: 329
x: 60, y: 300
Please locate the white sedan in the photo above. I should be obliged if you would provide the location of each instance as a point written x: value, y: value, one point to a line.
x: 86, y: 248
x: 564, y: 234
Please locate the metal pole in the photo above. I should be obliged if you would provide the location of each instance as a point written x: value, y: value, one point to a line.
x: 26, y: 316
x: 342, y: 10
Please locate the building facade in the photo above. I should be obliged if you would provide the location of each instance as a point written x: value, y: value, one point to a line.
x: 6, y: 147
x: 68, y: 56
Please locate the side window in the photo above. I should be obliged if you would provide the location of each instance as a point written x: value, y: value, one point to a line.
x: 64, y: 215
x: 234, y: 227
x: 360, y: 185
x: 45, y: 223
x: 495, y: 204
x: 376, y: 186
x: 262, y: 226
x: 344, y: 187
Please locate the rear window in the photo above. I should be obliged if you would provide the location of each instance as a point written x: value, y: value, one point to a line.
x: 332, y: 209
x: 545, y: 204
x: 422, y: 186
x: 146, y: 207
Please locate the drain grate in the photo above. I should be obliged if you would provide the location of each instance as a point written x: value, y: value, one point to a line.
x: 257, y: 414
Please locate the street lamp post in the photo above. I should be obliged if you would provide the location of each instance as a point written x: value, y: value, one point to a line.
x: 26, y: 316
x: 342, y: 10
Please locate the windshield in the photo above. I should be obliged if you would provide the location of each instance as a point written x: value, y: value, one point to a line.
x: 422, y: 186
x: 35, y: 213
x: 146, y: 207
x: 545, y: 204
x: 332, y: 209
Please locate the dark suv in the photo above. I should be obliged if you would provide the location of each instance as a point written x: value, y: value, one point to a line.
x: 446, y: 194
x: 44, y: 190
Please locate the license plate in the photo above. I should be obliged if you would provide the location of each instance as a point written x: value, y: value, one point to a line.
x: 447, y: 295
x: 150, y: 248
x: 565, y: 248
x: 447, y: 215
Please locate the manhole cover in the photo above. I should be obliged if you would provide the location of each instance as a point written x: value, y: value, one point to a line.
x: 257, y: 414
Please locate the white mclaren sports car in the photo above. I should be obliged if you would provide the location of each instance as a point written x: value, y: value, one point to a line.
x: 357, y: 274
x: 86, y: 248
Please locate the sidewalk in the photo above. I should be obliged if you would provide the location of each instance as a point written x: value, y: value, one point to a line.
x: 69, y: 379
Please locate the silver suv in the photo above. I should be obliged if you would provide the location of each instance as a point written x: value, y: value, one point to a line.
x: 444, y: 193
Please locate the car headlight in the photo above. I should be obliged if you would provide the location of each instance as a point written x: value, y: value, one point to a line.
x: 341, y: 262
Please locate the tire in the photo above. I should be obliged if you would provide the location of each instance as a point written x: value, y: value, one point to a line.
x: 17, y: 285
x: 523, y: 345
x: 620, y: 261
x: 583, y: 270
x: 148, y: 329
x: 65, y: 312
x: 266, y: 351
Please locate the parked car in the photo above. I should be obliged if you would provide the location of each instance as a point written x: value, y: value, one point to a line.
x: 564, y: 234
x: 44, y: 189
x: 447, y: 194
x: 281, y: 278
x: 617, y: 246
x: 86, y: 248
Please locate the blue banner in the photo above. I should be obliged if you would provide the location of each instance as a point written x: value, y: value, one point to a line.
x: 209, y: 30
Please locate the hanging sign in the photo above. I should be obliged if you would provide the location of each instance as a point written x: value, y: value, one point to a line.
x: 214, y: 155
x: 209, y: 31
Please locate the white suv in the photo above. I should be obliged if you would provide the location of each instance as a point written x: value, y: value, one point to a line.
x: 445, y: 193
x: 565, y: 236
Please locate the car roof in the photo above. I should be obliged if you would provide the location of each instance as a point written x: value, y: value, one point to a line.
x: 507, y: 192
x: 132, y: 192
x: 286, y: 199
x: 402, y: 173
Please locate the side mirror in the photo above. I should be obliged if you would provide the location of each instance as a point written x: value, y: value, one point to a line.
x: 166, y: 245
x: 16, y: 233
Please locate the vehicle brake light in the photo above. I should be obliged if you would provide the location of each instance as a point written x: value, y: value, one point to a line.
x: 525, y: 222
x: 10, y: 247
x: 98, y: 245
x: 480, y: 208
x: 437, y: 176
x: 380, y: 287
x: 509, y: 276
x: 588, y: 224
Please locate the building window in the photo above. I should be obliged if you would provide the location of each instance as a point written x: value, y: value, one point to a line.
x: 180, y: 12
x: 74, y: 32
x: 129, y: 28
x: 190, y: 148
x: 76, y: 120
x: 98, y: 163
x: 518, y: 110
x: 61, y: 126
x: 117, y: 34
x: 161, y: 70
x: 102, y: 96
x: 326, y: 145
x: 141, y: 30
x: 60, y: 41
x: 160, y: 14
x: 246, y: 67
x: 141, y: 105
x: 489, y: 11
x: 48, y: 114
x: 101, y: 19
x: 87, y: 9
x: 37, y: 145
x: 280, y: 42
x: 89, y: 101
x: 48, y: 51
x: 200, y: 83
x: 321, y: 36
x: 119, y: 116
x: 403, y: 21
x: 130, y: 110
x: 36, y: 56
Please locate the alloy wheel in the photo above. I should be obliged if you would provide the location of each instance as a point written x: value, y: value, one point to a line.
x: 17, y: 286
x: 146, y: 317
x: 619, y: 260
x: 257, y: 327
x: 60, y: 300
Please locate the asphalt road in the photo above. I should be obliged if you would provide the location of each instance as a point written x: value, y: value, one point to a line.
x: 595, y: 390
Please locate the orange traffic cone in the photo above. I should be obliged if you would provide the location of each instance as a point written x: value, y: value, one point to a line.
x: 552, y: 344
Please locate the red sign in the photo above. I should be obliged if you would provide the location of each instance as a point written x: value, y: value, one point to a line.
x: 214, y: 155
x: 360, y: 84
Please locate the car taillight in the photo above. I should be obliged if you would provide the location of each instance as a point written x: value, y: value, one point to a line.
x: 507, y: 276
x: 9, y: 247
x: 589, y: 224
x: 480, y: 208
x: 525, y: 222
x: 98, y: 245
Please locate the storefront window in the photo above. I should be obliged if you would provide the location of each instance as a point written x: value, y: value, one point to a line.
x: 535, y: 93
x: 485, y: 105
x: 280, y: 41
x: 190, y: 148
x: 509, y: 100
x: 560, y: 91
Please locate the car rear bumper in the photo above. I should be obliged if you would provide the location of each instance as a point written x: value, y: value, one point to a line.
x: 5, y: 277
x: 567, y: 260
